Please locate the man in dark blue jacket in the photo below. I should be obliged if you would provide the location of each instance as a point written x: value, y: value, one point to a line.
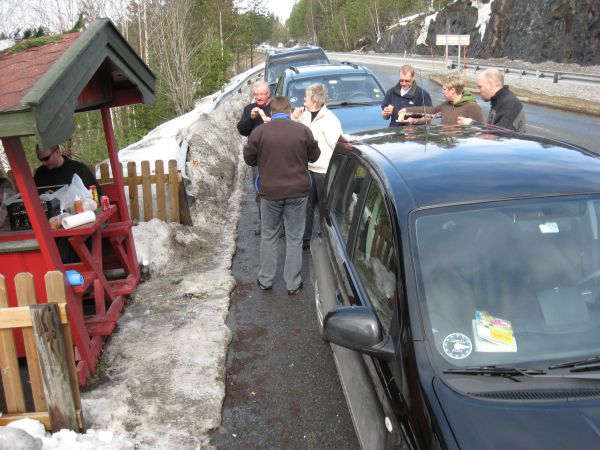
x: 405, y: 94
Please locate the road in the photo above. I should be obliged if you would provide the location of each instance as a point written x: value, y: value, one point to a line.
x: 282, y: 389
x: 574, y: 128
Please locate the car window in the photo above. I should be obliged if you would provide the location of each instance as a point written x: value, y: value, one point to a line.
x: 347, y: 199
x: 276, y: 67
x: 334, y: 165
x: 342, y: 88
x: 515, y: 282
x: 374, y: 257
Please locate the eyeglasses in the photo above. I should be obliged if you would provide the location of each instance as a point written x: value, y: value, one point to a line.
x: 46, y: 158
x: 405, y: 81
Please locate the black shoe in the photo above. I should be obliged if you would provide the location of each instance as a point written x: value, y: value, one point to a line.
x: 295, y: 291
x: 262, y: 286
x: 306, y: 243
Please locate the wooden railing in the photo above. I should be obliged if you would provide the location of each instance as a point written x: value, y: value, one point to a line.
x: 155, y: 191
x: 51, y: 387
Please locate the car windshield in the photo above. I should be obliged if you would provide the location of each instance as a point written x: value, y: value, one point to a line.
x: 342, y: 88
x: 515, y: 282
x: 277, y: 66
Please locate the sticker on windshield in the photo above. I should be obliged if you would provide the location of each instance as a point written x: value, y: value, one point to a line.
x: 457, y: 346
x: 549, y: 227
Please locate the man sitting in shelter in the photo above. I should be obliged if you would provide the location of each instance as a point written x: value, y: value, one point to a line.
x: 58, y: 170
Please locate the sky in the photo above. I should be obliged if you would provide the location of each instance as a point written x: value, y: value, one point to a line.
x: 281, y: 8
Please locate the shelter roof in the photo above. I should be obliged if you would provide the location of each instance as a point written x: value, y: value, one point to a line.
x: 41, y: 87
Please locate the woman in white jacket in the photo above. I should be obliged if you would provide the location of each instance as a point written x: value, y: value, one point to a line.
x: 327, y: 130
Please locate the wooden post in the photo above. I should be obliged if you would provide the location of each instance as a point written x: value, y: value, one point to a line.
x: 134, y: 207
x: 56, y: 377
x: 9, y: 364
x: 161, y: 198
x: 55, y: 289
x: 26, y: 297
x: 147, y: 191
x: 173, y: 191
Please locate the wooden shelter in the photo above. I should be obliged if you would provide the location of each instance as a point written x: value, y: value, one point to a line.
x: 41, y: 88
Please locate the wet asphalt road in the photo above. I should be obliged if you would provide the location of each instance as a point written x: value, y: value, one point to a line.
x: 282, y: 389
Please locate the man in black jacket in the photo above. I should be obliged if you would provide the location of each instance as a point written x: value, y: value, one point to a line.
x: 254, y: 115
x: 58, y: 170
x: 506, y: 109
x: 282, y: 150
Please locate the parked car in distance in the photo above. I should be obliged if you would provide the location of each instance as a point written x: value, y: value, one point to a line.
x: 457, y: 272
x: 355, y: 93
x: 278, y: 60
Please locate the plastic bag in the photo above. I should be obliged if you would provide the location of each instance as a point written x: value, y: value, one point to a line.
x: 68, y: 194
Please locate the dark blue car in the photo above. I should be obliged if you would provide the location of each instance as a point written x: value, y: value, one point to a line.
x: 457, y: 272
x: 355, y: 93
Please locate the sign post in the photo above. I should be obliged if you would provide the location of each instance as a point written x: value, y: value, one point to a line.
x: 452, y: 39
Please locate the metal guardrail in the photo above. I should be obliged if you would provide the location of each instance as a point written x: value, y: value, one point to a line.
x: 438, y: 65
x: 226, y: 94
x: 556, y: 75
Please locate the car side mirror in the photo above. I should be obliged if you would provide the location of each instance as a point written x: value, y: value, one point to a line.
x: 357, y: 328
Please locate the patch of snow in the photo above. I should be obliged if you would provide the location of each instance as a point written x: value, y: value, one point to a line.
x: 484, y: 11
x: 425, y: 29
x: 404, y: 21
x: 6, y: 43
x: 29, y: 434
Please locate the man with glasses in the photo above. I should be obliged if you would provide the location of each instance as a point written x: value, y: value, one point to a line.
x: 254, y: 115
x: 58, y: 170
x: 405, y: 94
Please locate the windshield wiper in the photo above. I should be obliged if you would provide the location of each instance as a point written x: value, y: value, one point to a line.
x: 337, y: 104
x: 501, y: 371
x: 576, y: 363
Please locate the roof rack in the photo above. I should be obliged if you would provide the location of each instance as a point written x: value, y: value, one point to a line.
x: 348, y: 63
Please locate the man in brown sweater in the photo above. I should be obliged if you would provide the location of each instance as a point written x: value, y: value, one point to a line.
x: 282, y: 150
x: 459, y: 103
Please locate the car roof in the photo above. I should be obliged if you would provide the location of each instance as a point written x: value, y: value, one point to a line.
x: 285, y: 52
x: 440, y: 165
x: 321, y: 69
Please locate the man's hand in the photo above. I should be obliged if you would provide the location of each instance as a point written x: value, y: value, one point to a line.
x: 387, y: 111
x: 255, y: 112
x: 464, y: 120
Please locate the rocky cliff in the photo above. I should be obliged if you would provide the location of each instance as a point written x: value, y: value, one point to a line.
x: 531, y: 30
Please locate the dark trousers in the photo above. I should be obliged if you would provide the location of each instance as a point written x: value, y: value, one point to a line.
x: 316, y: 185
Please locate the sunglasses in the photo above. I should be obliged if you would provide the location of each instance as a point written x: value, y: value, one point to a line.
x: 405, y: 81
x: 46, y: 158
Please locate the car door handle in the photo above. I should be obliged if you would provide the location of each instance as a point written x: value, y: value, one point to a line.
x: 338, y: 298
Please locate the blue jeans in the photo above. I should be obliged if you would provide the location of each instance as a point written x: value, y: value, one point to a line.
x: 292, y: 211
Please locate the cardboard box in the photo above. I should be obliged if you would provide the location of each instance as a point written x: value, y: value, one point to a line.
x: 18, y: 216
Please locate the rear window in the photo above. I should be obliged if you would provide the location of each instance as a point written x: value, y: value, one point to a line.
x: 275, y: 66
x: 341, y: 88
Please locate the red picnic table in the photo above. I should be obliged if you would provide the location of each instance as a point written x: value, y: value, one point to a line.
x: 41, y: 89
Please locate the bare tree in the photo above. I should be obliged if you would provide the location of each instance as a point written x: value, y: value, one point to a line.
x: 176, y: 41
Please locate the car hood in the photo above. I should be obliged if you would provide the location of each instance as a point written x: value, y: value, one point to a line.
x: 549, y: 419
x: 359, y: 118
